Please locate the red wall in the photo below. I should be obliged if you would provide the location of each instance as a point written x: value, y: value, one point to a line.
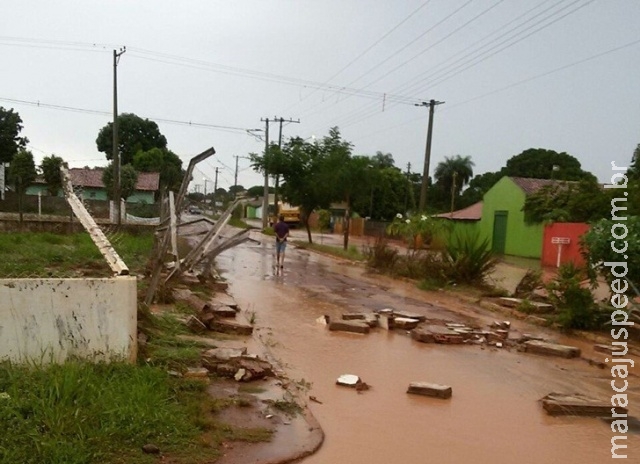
x: 570, y: 252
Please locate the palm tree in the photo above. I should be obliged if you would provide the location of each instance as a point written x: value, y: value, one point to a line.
x: 454, y: 173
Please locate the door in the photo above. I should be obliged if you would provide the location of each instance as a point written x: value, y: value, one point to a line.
x: 499, y: 231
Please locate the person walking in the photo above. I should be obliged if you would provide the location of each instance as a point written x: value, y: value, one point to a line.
x: 282, y: 232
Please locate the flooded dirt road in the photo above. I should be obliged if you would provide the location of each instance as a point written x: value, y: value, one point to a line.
x: 493, y: 416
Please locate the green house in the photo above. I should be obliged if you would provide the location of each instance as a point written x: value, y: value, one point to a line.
x: 503, y: 217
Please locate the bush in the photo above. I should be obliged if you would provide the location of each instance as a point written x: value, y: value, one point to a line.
x: 575, y: 304
x: 470, y: 260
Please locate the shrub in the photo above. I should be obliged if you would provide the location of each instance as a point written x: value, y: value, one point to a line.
x: 469, y: 259
x: 575, y: 304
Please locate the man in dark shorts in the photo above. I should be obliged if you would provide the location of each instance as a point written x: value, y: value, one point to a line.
x: 282, y: 232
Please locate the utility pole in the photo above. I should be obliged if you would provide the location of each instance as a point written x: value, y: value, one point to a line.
x: 275, y: 195
x: 427, y: 153
x: 235, y: 176
x: 116, y: 152
x: 265, y: 193
x: 215, y: 188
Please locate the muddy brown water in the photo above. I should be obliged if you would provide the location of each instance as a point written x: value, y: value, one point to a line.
x: 494, y: 415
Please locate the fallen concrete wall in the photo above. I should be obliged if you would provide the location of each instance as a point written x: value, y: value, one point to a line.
x: 50, y: 320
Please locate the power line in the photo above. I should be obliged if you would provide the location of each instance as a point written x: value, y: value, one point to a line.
x: 107, y: 113
x: 367, y: 50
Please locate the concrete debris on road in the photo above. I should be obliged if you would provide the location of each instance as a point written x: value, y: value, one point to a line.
x: 430, y: 389
x: 551, y: 349
x: 349, y: 326
x: 578, y: 405
x: 352, y: 381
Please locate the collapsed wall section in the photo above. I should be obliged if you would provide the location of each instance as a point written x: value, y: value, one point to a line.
x: 51, y: 320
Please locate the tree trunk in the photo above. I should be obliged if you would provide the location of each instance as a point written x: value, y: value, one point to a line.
x: 305, y: 219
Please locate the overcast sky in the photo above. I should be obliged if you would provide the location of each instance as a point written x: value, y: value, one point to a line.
x: 514, y: 74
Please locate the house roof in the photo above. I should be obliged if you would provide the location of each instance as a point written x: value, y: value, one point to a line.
x: 87, y: 177
x: 470, y: 213
x: 530, y: 186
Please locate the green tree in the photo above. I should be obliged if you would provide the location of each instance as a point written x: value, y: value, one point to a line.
x: 452, y: 174
x: 50, y: 168
x: 598, y: 247
x: 539, y: 163
x: 22, y: 172
x: 478, y: 186
x: 164, y: 161
x: 10, y: 141
x: 134, y: 134
x: 582, y: 201
x: 128, y: 180
x: 303, y: 178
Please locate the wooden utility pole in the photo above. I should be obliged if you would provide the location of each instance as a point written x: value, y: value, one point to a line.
x: 116, y: 151
x: 427, y: 153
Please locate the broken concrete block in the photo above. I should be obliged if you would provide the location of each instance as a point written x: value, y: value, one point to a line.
x: 436, y: 334
x: 386, y: 321
x: 371, y: 320
x: 223, y: 311
x: 348, y: 380
x: 212, y: 358
x: 349, y: 326
x: 223, y: 299
x: 578, y: 405
x: 239, y: 375
x: 230, y: 327
x: 410, y: 315
x: 388, y: 311
x: 430, y: 389
x: 323, y: 320
x: 353, y: 316
x: 602, y: 348
x: 551, y: 349
x: 405, y: 323
x: 195, y: 324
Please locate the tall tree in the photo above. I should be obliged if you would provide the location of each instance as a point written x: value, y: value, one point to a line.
x: 50, y: 167
x: 10, y: 140
x: 164, y: 161
x: 128, y: 181
x: 539, y: 163
x: 22, y: 172
x: 134, y: 134
x: 478, y: 186
x: 452, y: 174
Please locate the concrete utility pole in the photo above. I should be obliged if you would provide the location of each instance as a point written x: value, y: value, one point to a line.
x: 265, y: 193
x: 235, y: 175
x: 215, y: 188
x: 116, y: 152
x: 275, y: 195
x: 427, y: 153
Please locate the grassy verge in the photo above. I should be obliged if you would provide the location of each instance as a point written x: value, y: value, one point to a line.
x: 82, y: 413
x: 45, y: 254
x: 351, y: 253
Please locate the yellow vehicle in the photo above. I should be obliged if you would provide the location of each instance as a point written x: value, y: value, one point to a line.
x: 291, y: 214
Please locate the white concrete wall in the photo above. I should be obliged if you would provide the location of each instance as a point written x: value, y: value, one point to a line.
x: 50, y: 320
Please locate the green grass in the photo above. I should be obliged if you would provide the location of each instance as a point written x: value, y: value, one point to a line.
x: 83, y: 413
x: 351, y: 253
x: 44, y: 254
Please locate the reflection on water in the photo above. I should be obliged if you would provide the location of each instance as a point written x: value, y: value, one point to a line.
x: 493, y: 416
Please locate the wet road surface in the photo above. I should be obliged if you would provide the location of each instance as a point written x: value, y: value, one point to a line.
x: 493, y: 416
